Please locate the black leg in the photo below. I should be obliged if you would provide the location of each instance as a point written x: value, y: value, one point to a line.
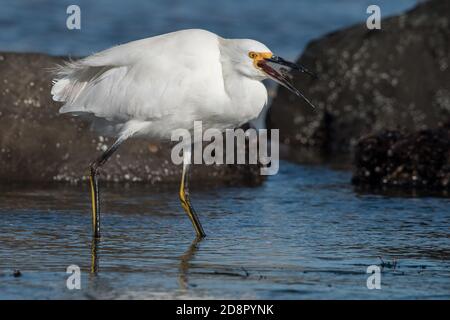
x: 93, y: 182
x: 184, y: 197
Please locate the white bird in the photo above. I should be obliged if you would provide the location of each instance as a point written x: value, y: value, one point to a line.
x: 153, y: 86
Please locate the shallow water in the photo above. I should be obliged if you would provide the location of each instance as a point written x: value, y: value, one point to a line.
x: 305, y: 233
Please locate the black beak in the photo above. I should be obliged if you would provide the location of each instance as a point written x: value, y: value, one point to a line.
x: 274, y: 67
x: 294, y: 66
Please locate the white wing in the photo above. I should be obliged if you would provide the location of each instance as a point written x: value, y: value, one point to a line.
x: 145, y: 79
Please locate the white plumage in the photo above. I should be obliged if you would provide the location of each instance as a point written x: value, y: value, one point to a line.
x: 156, y: 85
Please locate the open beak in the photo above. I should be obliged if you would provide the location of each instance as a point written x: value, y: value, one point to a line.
x: 278, y: 70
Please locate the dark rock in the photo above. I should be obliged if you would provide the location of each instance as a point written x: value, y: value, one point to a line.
x: 37, y: 144
x: 394, y: 78
x: 396, y: 159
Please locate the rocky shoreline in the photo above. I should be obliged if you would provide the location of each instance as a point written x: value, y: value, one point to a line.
x: 418, y: 160
x: 370, y: 80
x: 385, y: 85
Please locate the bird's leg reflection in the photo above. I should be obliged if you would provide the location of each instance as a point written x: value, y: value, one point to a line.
x: 94, y: 255
x: 185, y: 260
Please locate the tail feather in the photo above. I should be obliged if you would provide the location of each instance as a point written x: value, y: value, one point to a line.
x: 73, y: 81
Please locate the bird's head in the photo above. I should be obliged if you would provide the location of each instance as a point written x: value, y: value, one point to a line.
x: 259, y: 63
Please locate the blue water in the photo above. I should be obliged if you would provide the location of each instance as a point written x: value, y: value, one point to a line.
x: 284, y: 26
x: 305, y: 233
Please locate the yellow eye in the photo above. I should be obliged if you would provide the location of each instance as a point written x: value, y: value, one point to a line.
x: 252, y: 54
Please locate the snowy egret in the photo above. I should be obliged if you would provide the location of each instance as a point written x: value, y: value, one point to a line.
x: 153, y: 86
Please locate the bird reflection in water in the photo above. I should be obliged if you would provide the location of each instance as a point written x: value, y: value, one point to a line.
x: 185, y: 260
x: 94, y: 255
